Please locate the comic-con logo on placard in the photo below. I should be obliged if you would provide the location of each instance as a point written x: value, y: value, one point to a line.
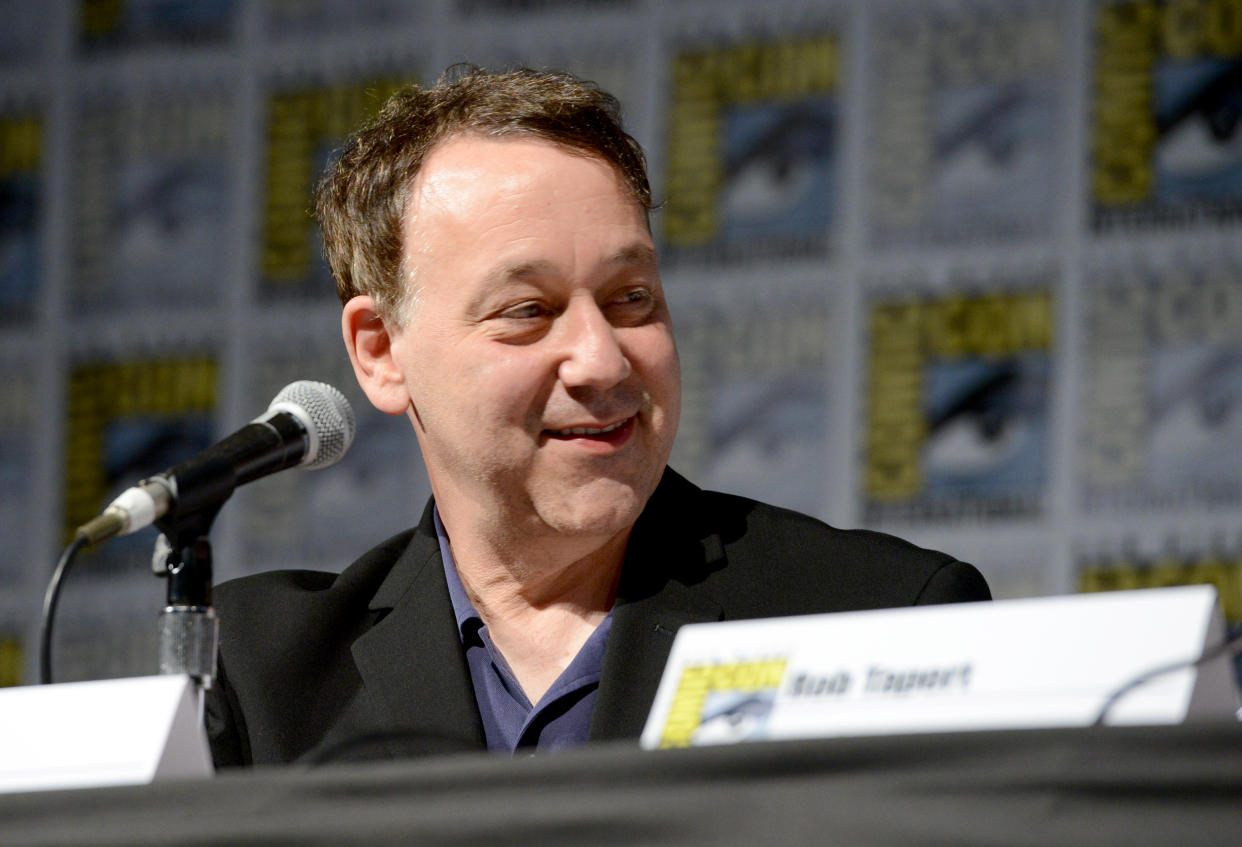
x: 717, y: 703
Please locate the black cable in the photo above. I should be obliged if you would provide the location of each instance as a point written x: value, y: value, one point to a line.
x: 49, y: 605
x: 1230, y: 645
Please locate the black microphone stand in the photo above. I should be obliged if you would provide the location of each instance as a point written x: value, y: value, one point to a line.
x: 188, y: 628
x: 189, y: 631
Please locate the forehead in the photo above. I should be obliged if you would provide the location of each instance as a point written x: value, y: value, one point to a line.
x: 517, y: 200
x: 479, y: 169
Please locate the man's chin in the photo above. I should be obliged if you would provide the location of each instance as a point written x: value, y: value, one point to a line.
x: 601, y: 507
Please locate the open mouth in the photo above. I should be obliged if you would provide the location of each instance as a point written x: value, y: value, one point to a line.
x: 614, y: 433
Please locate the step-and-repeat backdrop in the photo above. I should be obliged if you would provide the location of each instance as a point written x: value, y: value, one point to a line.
x: 969, y: 272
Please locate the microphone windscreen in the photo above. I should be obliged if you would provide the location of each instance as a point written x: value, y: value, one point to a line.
x: 327, y: 416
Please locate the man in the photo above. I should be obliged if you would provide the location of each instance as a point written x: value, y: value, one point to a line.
x: 491, y: 246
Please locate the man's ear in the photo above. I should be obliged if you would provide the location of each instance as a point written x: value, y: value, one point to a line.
x: 370, y: 351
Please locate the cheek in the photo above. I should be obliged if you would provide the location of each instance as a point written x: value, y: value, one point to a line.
x: 654, y: 353
x: 444, y: 383
x: 451, y: 370
x: 512, y: 385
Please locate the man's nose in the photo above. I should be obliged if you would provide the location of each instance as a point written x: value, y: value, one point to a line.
x: 592, y: 355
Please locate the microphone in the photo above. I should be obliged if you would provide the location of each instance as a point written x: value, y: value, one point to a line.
x: 308, y: 424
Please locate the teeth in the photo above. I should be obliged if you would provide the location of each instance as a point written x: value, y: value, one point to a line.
x: 590, y: 430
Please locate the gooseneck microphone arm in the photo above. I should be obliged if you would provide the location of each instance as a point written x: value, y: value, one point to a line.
x: 256, y: 450
x: 308, y: 423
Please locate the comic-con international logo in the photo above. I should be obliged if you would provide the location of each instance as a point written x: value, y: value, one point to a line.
x: 1165, y: 143
x: 722, y: 702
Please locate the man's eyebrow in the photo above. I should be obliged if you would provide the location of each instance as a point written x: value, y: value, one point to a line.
x: 635, y: 254
x: 507, y: 274
x: 519, y: 271
x: 640, y: 255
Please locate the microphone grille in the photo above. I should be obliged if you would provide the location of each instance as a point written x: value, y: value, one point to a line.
x: 330, y: 418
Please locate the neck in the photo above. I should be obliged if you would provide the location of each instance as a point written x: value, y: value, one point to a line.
x: 508, y: 575
x: 541, y: 598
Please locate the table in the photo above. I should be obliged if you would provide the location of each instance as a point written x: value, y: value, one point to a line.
x: 1178, y: 785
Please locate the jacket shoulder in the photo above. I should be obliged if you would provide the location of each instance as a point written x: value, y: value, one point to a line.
x: 291, y: 584
x: 268, y: 619
x: 285, y: 674
x: 780, y: 561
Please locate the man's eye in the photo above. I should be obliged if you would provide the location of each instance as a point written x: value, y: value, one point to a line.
x: 524, y: 311
x: 631, y: 306
x: 636, y: 297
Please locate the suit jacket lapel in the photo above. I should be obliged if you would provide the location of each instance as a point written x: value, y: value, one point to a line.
x: 411, y: 661
x: 415, y: 672
x: 668, y: 553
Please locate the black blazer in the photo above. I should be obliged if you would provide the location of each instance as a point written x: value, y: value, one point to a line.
x: 368, y: 663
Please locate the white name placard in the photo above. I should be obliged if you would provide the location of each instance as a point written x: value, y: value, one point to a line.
x: 102, y: 732
x: 1044, y: 662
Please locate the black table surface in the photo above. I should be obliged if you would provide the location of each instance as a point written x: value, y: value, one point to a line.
x: 1178, y: 785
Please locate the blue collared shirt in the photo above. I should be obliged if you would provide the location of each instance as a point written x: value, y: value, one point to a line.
x: 561, y: 718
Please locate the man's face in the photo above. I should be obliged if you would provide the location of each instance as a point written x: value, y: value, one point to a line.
x: 539, y: 359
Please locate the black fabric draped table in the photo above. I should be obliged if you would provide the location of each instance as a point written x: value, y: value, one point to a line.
x: 1111, y: 786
